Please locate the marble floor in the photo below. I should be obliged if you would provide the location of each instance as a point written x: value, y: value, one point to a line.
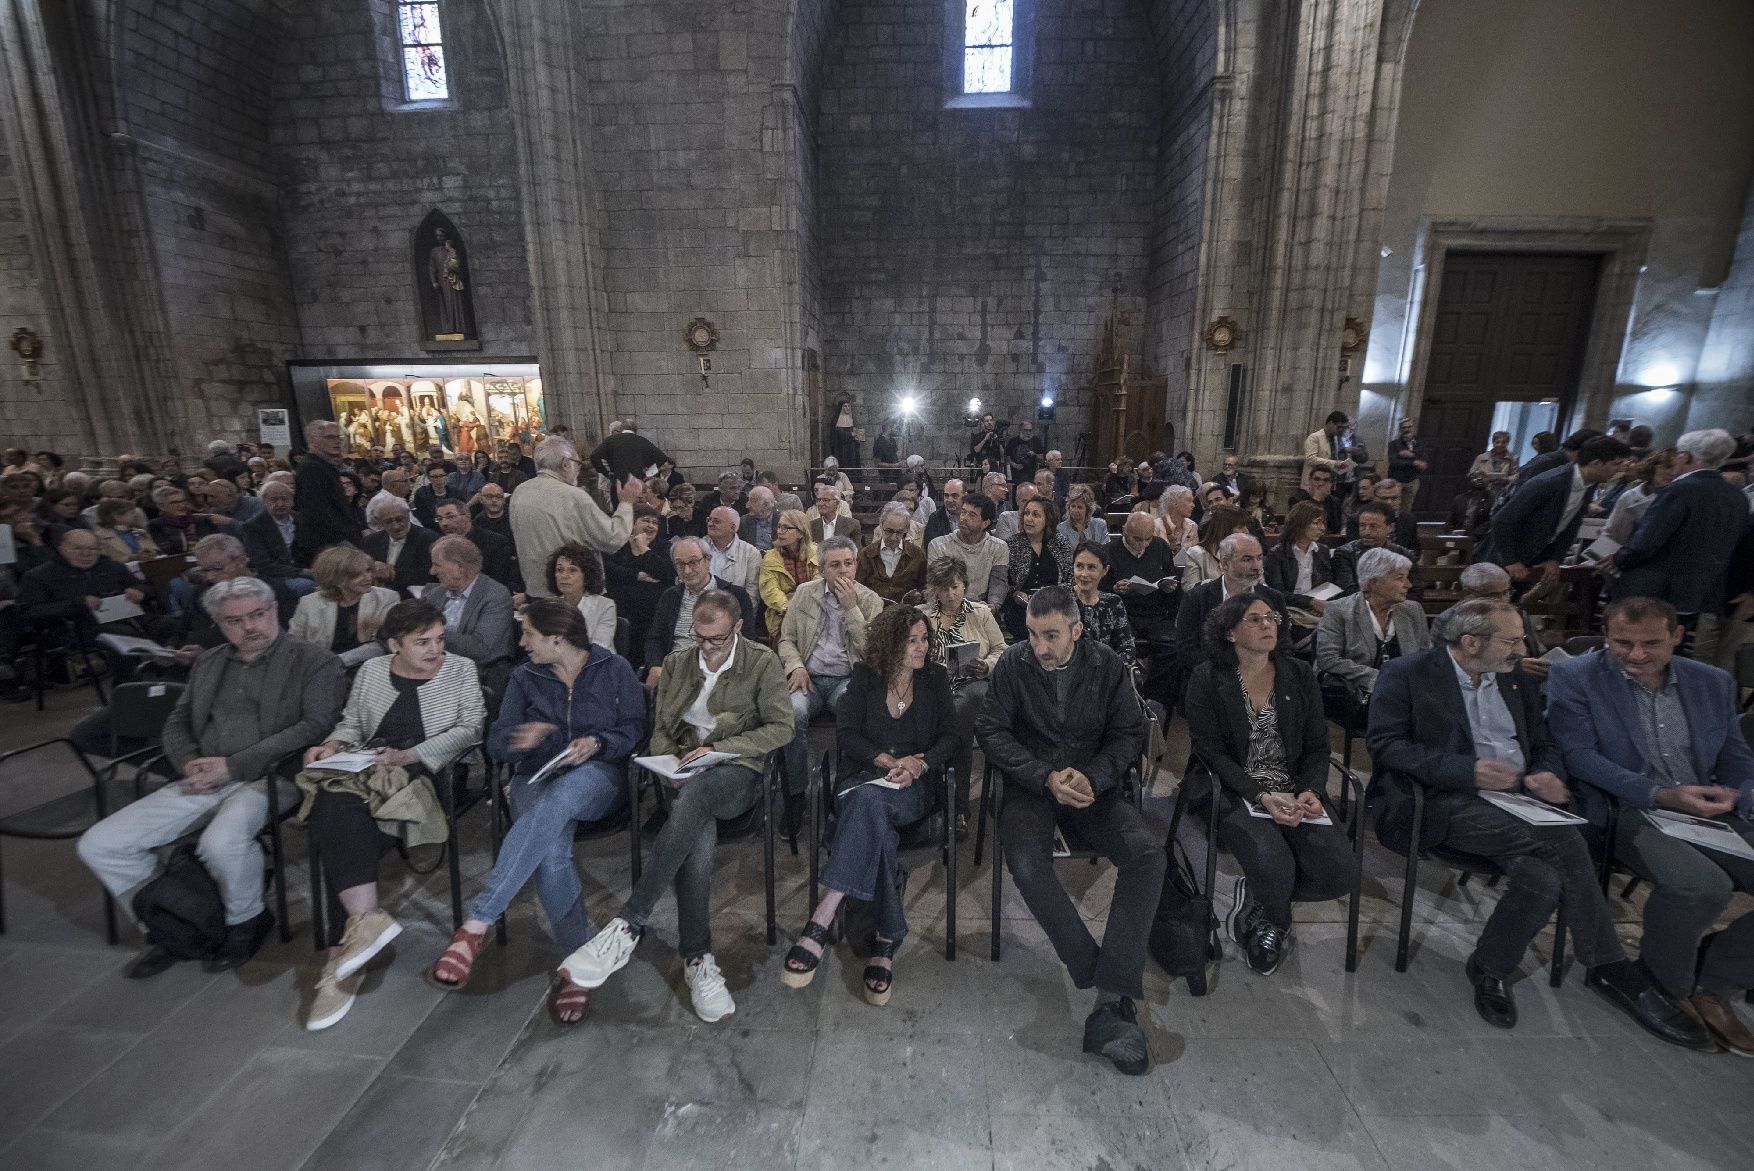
x: 973, y: 1064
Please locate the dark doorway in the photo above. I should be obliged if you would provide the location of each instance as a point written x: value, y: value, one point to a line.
x: 1510, y: 327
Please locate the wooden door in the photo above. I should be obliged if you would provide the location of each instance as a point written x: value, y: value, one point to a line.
x: 1509, y: 327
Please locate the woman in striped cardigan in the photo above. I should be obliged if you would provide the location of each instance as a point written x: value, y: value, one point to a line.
x: 418, y: 708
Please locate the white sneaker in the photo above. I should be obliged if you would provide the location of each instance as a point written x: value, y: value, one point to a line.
x: 706, y: 985
x: 606, y: 954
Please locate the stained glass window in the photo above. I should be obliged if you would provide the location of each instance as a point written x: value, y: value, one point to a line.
x: 987, y: 46
x: 423, y: 51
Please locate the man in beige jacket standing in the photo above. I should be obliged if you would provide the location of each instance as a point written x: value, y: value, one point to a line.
x: 550, y: 510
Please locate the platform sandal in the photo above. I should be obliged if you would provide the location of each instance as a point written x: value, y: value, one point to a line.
x: 567, y: 1001
x: 879, y: 980
x: 453, y: 967
x: 800, y: 966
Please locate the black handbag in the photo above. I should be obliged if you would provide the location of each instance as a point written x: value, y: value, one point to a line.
x: 1184, y: 932
x: 181, y: 909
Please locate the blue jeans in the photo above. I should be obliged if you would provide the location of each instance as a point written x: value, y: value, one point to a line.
x: 298, y: 587
x: 540, y: 844
x: 825, y: 692
x: 868, y: 824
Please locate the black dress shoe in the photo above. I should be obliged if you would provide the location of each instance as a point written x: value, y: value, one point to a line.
x: 1113, y: 1031
x: 241, y: 942
x: 153, y: 961
x: 1627, y: 988
x: 1492, y: 998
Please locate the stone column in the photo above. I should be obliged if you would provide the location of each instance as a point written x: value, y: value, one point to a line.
x: 552, y: 116
x: 1297, y: 171
x: 105, y: 328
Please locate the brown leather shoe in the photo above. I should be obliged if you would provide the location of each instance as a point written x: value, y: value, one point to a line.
x: 1725, y: 1027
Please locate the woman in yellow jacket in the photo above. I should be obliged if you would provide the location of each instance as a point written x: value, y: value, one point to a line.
x: 786, y: 566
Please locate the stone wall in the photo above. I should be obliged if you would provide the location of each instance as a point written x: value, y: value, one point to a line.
x: 357, y: 174
x: 977, y: 252
x: 193, y: 111
x: 1184, y: 35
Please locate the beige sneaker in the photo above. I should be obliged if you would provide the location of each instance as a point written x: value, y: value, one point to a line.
x: 334, y: 997
x: 365, y: 937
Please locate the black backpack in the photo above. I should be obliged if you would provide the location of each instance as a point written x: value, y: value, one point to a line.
x: 1184, y: 932
x: 181, y: 908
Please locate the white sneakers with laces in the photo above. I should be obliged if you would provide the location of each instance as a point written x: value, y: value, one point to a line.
x: 706, y: 986
x: 606, y: 954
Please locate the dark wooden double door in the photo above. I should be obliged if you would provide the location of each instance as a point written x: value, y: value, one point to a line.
x: 1510, y: 327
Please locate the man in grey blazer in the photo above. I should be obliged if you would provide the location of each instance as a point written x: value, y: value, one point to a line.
x: 251, y: 700
x: 477, y: 609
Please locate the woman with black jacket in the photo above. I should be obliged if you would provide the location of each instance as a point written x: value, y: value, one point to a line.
x: 897, y: 730
x: 1299, y: 564
x: 1256, y: 721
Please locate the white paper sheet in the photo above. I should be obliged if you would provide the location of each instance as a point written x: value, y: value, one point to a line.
x: 348, y: 762
x: 1531, y: 809
x: 670, y: 766
x: 115, y: 609
x: 1257, y: 811
x: 1699, y: 831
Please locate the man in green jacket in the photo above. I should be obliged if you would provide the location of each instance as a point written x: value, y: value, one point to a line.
x: 726, y: 694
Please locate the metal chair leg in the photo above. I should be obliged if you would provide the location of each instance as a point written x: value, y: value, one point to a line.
x: 319, y: 929
x: 767, y: 859
x: 1409, y: 885
x: 950, y: 887
x: 980, y: 829
x: 1557, y: 977
x: 992, y: 786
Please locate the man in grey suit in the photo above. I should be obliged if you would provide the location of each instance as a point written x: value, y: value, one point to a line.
x: 828, y: 522
x: 477, y: 609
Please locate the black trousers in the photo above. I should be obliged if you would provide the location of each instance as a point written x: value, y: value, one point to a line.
x: 1118, y: 832
x: 349, y: 843
x: 1312, y: 863
x: 1544, y: 866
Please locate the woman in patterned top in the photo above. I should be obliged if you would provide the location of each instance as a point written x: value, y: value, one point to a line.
x: 952, y: 618
x: 1256, y: 721
x: 1104, y: 614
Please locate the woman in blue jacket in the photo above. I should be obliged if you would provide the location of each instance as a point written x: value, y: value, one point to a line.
x: 570, y: 696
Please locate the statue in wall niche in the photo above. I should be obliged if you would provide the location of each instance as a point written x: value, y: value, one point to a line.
x: 445, y: 293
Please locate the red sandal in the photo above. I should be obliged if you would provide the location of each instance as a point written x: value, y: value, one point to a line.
x: 453, y: 967
x: 567, y: 1001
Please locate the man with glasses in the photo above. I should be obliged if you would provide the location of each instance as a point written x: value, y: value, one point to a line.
x: 719, y: 692
x: 1459, y: 721
x: 253, y: 699
x: 672, y: 627
x: 550, y: 510
x: 1321, y: 491
x: 892, y: 565
x: 1242, y: 570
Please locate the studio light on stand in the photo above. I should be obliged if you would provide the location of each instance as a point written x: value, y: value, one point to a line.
x: 973, y: 414
x: 1044, y: 413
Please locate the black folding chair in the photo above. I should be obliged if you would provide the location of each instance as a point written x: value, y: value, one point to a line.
x: 1467, y: 865
x: 138, y: 713
x: 65, y: 816
x: 60, y: 638
x: 932, y: 839
x: 1347, y: 812
x: 759, y: 819
x: 993, y: 798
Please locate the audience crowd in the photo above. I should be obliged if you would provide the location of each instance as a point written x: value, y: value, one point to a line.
x: 348, y: 638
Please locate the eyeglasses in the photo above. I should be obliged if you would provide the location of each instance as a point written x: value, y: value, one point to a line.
x: 1263, y: 619
x: 713, y: 642
x: 689, y: 562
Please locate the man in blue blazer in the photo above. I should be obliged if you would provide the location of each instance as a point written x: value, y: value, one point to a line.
x: 1652, y: 731
x: 1537, y: 526
x: 1681, y: 550
x: 1460, y: 720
